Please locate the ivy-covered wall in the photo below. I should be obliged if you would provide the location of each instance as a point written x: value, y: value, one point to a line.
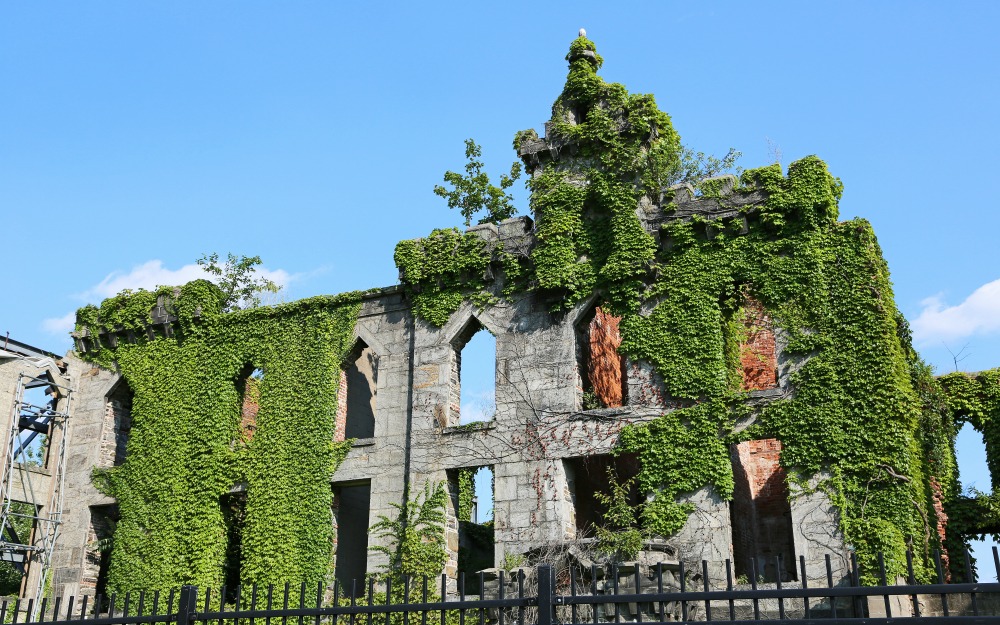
x: 861, y: 416
x: 186, y: 449
x: 975, y: 399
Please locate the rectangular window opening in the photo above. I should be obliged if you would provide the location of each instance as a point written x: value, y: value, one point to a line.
x: 357, y: 394
x: 39, y: 404
x: 234, y: 512
x: 351, y: 510
x: 602, y: 371
x: 760, y: 512
x: 471, y: 492
x: 14, y: 562
x: 590, y: 474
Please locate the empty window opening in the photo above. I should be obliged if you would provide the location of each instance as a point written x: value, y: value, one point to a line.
x: 474, y: 375
x: 592, y: 474
x: 472, y: 499
x: 603, y: 379
x: 357, y: 394
x: 351, y: 505
x: 39, y: 403
x: 117, y: 424
x: 100, y: 542
x: 249, y: 385
x: 760, y: 512
x: 973, y: 467
x: 758, y: 360
x: 14, y: 561
x: 234, y: 512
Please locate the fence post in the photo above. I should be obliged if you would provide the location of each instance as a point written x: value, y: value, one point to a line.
x: 545, y: 604
x: 187, y: 604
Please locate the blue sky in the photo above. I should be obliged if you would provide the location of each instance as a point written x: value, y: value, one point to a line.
x: 137, y: 136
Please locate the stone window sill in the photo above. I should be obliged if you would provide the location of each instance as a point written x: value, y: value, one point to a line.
x: 475, y: 426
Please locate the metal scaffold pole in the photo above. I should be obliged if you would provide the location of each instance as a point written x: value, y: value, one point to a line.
x: 34, y: 475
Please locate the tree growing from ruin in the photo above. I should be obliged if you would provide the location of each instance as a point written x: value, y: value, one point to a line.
x: 473, y: 192
x: 415, y: 537
x: 239, y: 279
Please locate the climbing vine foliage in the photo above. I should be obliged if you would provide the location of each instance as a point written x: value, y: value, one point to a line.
x: 865, y: 421
x: 415, y: 536
x: 186, y: 449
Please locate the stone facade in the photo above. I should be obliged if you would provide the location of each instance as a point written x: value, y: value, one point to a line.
x: 564, y: 393
x: 405, y: 380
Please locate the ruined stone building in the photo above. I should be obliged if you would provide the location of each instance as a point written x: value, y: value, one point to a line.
x: 725, y: 348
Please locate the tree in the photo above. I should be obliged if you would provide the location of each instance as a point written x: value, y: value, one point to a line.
x: 415, y: 538
x: 239, y: 280
x: 474, y: 192
x: 618, y: 535
x: 696, y: 166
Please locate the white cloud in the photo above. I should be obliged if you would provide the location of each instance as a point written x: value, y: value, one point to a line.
x: 978, y: 314
x: 60, y: 325
x: 152, y: 274
x: 148, y: 275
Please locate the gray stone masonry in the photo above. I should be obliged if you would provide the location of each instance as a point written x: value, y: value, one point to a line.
x: 538, y: 423
x: 29, y: 483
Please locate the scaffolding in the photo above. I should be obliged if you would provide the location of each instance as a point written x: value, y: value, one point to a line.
x: 34, y: 475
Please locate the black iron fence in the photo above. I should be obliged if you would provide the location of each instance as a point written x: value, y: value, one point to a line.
x: 664, y: 592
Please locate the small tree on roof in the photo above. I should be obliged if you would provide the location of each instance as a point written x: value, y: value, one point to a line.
x: 473, y: 192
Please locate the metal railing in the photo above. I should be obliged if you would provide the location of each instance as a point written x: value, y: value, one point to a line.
x: 548, y: 595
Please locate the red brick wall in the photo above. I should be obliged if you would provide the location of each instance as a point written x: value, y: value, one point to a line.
x: 942, y: 521
x: 250, y: 408
x: 340, y: 425
x: 117, y: 426
x: 604, y: 367
x: 757, y: 351
x: 762, y: 524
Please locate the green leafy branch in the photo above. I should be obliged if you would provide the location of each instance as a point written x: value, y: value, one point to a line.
x: 473, y: 192
x: 414, y: 539
x: 239, y: 279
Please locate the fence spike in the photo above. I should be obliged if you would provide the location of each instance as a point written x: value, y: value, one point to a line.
x: 704, y: 585
x: 970, y: 576
x: 444, y: 594
x: 938, y: 566
x: 270, y: 598
x: 805, y: 584
x: 545, y: 607
x: 284, y: 603
x: 729, y: 587
x: 424, y: 594
x: 778, y: 570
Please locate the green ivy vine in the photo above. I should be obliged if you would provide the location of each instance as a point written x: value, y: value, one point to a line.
x: 466, y: 493
x: 442, y: 270
x: 865, y: 422
x: 185, y: 449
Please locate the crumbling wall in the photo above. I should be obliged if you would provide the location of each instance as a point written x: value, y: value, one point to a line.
x: 758, y: 358
x: 604, y: 364
x: 249, y: 408
x: 99, y: 401
x: 762, y: 529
